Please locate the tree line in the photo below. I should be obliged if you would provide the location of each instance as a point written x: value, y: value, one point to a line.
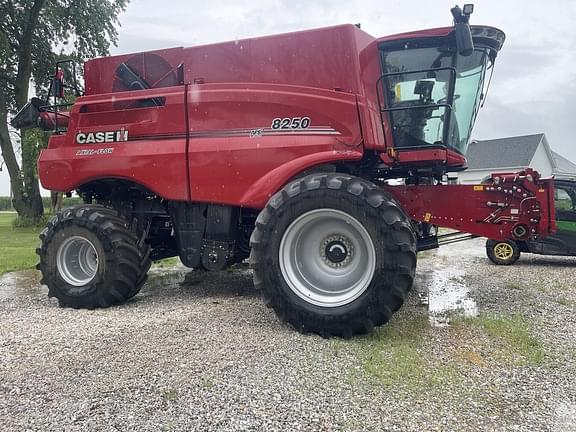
x: 34, y: 34
x: 6, y: 202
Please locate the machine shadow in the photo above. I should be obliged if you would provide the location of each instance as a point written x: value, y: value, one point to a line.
x: 235, y: 282
x: 545, y: 261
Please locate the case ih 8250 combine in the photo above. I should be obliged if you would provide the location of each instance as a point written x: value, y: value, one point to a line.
x: 280, y: 149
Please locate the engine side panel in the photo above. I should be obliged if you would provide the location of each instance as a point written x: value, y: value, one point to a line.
x: 151, y: 151
x: 324, y: 58
x: 247, y: 141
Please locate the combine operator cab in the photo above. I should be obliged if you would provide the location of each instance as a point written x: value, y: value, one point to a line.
x: 430, y: 92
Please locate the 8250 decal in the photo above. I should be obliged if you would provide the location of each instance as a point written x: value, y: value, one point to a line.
x: 291, y: 123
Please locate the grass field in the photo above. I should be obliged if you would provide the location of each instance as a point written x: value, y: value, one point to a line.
x: 17, y: 245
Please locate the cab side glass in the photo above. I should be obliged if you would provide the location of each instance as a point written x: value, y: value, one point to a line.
x: 565, y: 204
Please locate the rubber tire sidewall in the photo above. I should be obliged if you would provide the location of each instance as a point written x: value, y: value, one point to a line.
x: 394, y: 265
x: 491, y: 244
x: 122, y: 262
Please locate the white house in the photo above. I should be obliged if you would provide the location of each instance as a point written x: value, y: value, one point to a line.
x: 513, y: 154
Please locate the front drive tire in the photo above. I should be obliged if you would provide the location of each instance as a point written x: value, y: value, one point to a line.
x: 502, y: 252
x: 90, y: 258
x: 333, y: 254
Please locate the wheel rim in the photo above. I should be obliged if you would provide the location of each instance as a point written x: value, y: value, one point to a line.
x: 327, y: 257
x: 77, y: 261
x: 503, y: 251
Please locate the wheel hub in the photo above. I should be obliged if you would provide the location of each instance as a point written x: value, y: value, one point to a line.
x: 503, y: 251
x: 336, y: 251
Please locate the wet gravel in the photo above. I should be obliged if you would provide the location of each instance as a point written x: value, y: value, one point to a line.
x: 199, y: 351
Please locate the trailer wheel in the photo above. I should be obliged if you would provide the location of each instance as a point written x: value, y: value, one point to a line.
x: 502, y: 252
x: 90, y: 258
x: 333, y: 254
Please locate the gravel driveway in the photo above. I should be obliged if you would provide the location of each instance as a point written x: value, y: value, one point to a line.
x: 200, y: 351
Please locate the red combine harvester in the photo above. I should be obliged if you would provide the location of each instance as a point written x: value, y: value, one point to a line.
x: 282, y: 149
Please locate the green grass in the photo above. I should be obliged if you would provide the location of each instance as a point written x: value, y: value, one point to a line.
x: 170, y: 425
x: 391, y: 352
x: 512, y: 338
x: 425, y: 254
x: 167, y: 262
x: 17, y: 245
x: 207, y: 382
x: 393, y: 355
x: 512, y: 285
x: 565, y: 302
x: 396, y: 354
x: 170, y: 394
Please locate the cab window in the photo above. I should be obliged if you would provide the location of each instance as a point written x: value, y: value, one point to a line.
x: 565, y: 204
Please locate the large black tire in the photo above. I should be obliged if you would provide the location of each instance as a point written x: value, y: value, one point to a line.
x: 90, y: 258
x: 367, y: 207
x: 502, y: 252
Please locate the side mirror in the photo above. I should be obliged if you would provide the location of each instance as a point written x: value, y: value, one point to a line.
x: 464, y: 42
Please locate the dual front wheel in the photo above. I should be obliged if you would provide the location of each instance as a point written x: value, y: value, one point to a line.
x: 89, y: 258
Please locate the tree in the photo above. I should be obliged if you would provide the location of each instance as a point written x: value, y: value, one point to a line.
x: 33, y: 34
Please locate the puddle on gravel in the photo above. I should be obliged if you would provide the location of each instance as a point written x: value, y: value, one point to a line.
x: 448, y: 294
x: 444, y: 289
x: 20, y: 284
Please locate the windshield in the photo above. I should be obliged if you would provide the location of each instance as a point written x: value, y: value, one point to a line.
x: 432, y: 95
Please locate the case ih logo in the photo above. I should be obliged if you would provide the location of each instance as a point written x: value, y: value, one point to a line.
x: 102, y: 137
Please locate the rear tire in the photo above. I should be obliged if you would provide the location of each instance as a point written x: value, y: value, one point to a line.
x: 90, y: 258
x: 502, y: 252
x: 333, y: 254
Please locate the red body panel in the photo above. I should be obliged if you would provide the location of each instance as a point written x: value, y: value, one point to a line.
x: 488, y: 210
x: 220, y: 114
x: 229, y: 141
x: 159, y: 165
x: 229, y: 154
x: 212, y: 141
x: 324, y: 58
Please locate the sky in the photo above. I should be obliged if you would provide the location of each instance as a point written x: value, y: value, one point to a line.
x: 533, y: 89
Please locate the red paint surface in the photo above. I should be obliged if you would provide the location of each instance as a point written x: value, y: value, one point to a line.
x: 212, y: 140
x: 228, y: 87
x: 466, y: 207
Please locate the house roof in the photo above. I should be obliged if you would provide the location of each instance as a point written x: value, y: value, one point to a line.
x: 563, y: 165
x: 509, y: 152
